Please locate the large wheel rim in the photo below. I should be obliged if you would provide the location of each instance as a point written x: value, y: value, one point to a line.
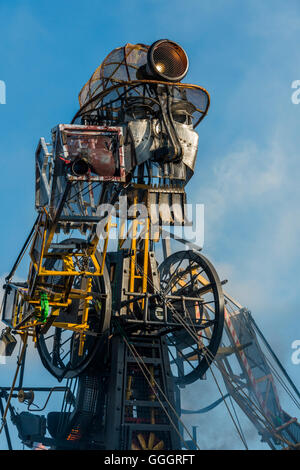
x: 208, y: 326
x: 58, y: 349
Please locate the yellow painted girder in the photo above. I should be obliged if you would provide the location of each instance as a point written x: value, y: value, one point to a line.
x: 72, y: 326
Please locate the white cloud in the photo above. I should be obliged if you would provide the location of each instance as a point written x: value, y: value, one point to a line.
x: 242, y: 177
x: 254, y: 190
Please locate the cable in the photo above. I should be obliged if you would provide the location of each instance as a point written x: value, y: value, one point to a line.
x: 157, y: 396
x: 237, y: 428
x: 275, y: 357
x: 282, y: 383
x: 272, y: 429
x: 22, y: 252
x: 236, y: 416
x: 230, y: 378
x: 209, y: 365
x: 141, y: 362
x: 206, y: 409
x: 212, y: 358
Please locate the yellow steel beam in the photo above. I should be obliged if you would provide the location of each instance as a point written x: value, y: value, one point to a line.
x: 133, y: 247
x: 146, y: 255
x: 71, y: 326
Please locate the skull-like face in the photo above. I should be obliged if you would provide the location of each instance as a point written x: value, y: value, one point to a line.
x: 138, y: 88
x: 163, y: 135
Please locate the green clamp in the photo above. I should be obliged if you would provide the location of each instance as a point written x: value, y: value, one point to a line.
x: 44, y: 307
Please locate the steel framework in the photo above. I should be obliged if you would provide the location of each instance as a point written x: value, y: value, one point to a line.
x: 124, y: 331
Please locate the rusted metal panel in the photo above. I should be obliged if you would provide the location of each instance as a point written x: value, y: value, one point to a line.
x: 100, y: 147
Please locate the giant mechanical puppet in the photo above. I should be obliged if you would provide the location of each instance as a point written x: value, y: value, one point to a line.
x: 110, y: 314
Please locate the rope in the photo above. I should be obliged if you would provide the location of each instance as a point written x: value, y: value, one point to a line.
x: 226, y: 404
x: 283, y: 384
x: 207, y: 352
x: 193, y: 334
x: 272, y: 429
x: 223, y: 398
x: 141, y: 362
x: 236, y: 417
x: 179, y: 318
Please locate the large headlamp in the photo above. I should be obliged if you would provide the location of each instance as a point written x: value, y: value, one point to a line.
x: 166, y: 61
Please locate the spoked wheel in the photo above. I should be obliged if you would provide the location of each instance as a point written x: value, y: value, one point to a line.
x: 59, y: 348
x: 193, y: 294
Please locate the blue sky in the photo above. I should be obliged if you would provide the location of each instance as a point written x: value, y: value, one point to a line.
x: 246, y: 54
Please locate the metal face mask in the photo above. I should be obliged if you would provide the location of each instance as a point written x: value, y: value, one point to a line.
x: 167, y: 139
x: 138, y: 88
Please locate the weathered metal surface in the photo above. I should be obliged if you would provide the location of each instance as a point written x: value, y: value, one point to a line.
x: 100, y: 146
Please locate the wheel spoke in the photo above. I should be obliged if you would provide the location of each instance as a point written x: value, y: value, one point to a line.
x: 180, y: 274
x: 59, y: 350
